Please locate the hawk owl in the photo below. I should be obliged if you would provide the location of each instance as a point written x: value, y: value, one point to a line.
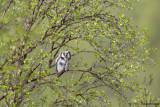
x: 63, y: 62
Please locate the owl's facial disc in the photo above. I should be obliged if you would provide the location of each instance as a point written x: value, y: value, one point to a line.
x: 64, y: 55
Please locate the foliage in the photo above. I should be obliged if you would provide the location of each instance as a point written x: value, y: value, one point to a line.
x: 107, y: 52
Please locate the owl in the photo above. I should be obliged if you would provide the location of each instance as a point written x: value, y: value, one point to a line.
x: 63, y: 62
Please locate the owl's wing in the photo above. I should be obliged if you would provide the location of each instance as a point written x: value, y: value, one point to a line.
x: 69, y: 56
x: 67, y: 66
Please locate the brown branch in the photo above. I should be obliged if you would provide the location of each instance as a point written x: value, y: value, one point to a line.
x: 1, y: 67
x: 6, y: 9
x: 21, y: 98
x: 2, y: 97
x: 39, y: 78
x: 29, y: 74
x: 101, y: 79
x: 33, y: 19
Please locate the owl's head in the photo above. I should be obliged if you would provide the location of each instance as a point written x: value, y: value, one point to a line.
x: 66, y: 54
